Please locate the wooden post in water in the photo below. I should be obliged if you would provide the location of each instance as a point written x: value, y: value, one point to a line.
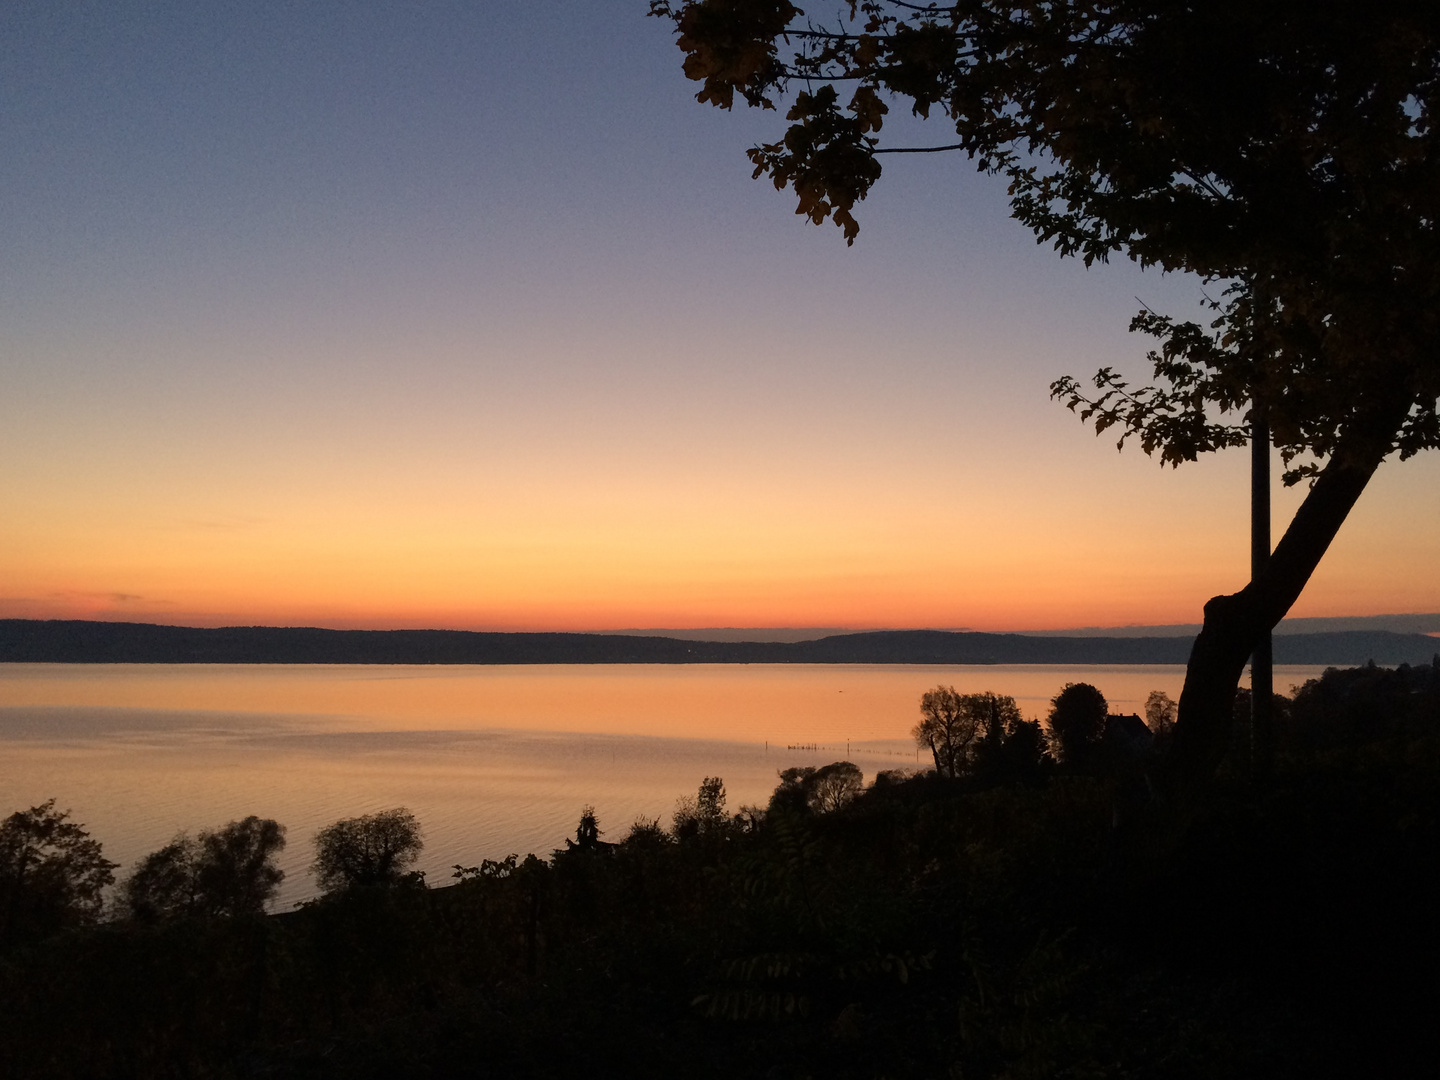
x: 1262, y: 662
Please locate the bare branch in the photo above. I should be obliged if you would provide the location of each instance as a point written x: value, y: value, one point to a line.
x: 917, y: 149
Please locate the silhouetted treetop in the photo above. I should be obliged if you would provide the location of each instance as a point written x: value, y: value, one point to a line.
x: 1076, y: 720
x: 369, y: 850
x: 958, y: 729
x: 164, y: 884
x: 946, y: 729
x: 236, y: 872
x: 705, y: 813
x: 1160, y: 711
x: 52, y: 874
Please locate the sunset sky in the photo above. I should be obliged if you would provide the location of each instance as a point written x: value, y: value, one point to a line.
x: 467, y: 315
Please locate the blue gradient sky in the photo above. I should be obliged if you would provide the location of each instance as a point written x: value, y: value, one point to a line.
x: 406, y: 314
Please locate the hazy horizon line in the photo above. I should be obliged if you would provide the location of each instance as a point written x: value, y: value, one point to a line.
x: 1407, y: 623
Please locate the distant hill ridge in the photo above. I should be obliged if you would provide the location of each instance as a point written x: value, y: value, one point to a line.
x: 83, y: 641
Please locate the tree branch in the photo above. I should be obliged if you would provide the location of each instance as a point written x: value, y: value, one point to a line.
x: 917, y: 149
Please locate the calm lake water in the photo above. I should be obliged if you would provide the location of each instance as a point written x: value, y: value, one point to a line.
x: 492, y: 760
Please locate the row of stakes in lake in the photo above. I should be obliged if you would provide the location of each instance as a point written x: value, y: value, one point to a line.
x: 817, y: 746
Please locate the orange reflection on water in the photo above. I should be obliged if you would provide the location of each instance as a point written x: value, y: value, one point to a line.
x: 743, y: 702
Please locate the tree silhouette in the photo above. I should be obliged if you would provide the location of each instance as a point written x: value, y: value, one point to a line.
x: 834, y: 787
x: 226, y: 871
x: 947, y: 729
x: 587, y: 835
x: 792, y: 793
x: 236, y: 872
x: 703, y: 814
x: 1077, y: 721
x: 997, y: 715
x: 52, y: 874
x: 960, y: 729
x: 1021, y: 756
x: 1160, y: 713
x: 164, y: 884
x: 817, y: 789
x: 1285, y: 153
x: 370, y: 850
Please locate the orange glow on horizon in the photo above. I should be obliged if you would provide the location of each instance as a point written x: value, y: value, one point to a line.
x: 1065, y: 534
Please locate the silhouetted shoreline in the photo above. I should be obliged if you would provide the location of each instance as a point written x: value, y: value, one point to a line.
x: 89, y: 642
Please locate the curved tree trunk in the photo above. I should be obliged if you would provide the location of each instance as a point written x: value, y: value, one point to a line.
x: 1234, y: 624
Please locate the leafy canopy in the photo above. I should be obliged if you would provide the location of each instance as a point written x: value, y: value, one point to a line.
x: 370, y: 850
x: 818, y: 789
x: 52, y: 874
x: 705, y: 813
x: 1283, y: 150
x: 229, y: 871
x: 958, y: 728
x: 1077, y: 720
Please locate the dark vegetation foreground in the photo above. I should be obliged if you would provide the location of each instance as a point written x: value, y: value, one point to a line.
x: 1048, y: 922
